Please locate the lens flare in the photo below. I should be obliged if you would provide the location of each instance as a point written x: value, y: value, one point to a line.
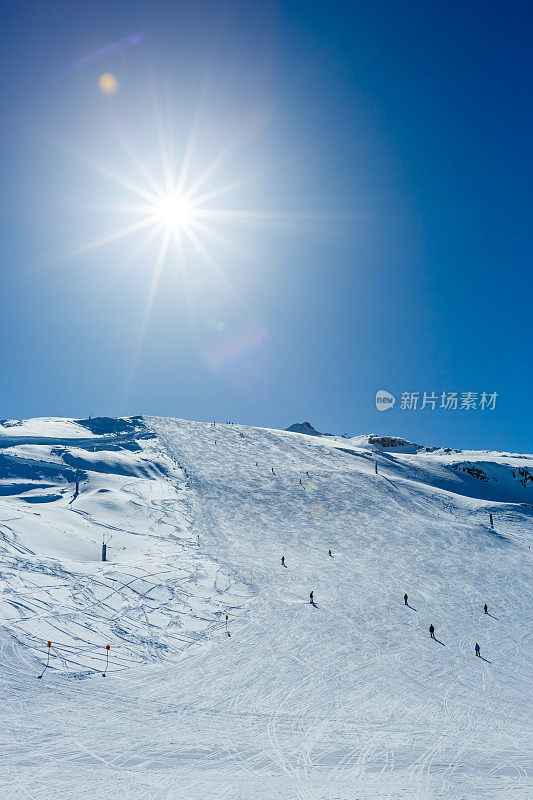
x: 236, y: 347
x: 108, y: 84
x: 103, y: 52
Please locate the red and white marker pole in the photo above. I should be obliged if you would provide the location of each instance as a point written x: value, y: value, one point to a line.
x: 49, y: 645
x: 107, y: 649
x: 227, y: 623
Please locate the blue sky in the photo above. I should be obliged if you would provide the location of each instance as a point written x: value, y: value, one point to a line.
x: 367, y: 222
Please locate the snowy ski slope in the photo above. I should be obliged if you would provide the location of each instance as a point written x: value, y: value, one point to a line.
x: 348, y: 698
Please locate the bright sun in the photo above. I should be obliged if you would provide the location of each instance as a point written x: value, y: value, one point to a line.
x: 173, y: 212
x: 175, y: 209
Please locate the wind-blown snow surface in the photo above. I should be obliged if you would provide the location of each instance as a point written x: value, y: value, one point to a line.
x: 346, y: 699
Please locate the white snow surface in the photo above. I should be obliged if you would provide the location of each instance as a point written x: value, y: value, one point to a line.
x: 346, y: 699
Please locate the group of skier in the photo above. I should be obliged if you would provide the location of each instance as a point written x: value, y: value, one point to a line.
x: 273, y: 472
x: 477, y: 648
x: 311, y: 595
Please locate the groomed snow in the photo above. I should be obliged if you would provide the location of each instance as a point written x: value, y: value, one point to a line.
x: 348, y: 698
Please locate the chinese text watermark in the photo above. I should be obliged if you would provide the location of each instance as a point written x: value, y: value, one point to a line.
x: 447, y: 401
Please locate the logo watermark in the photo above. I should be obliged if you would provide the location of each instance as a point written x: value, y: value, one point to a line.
x: 384, y: 400
x: 443, y: 401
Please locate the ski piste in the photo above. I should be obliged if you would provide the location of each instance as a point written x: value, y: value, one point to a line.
x: 349, y: 698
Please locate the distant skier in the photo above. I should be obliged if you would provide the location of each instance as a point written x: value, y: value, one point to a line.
x: 300, y: 481
x: 405, y: 599
x: 307, y: 473
x: 485, y: 609
x: 330, y: 553
x: 478, y: 650
x: 282, y: 561
x: 432, y: 631
x: 272, y: 468
x: 376, y: 466
x: 311, y: 598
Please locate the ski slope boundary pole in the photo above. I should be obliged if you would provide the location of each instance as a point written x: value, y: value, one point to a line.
x: 49, y: 645
x: 107, y: 649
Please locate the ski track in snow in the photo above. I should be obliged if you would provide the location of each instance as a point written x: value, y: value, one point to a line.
x: 349, y: 699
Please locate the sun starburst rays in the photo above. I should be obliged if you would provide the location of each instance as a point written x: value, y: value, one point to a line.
x: 170, y: 204
x: 167, y: 204
x: 179, y: 214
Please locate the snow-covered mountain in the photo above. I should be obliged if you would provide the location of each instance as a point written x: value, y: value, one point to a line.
x: 304, y: 427
x: 347, y: 698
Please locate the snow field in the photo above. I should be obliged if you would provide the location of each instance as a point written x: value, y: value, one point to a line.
x: 349, y: 699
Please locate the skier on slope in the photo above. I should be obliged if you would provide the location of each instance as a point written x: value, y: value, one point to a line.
x: 478, y: 650
x: 282, y: 561
x: 485, y: 609
x: 405, y: 598
x: 311, y: 597
x: 330, y: 553
x: 273, y: 473
x: 432, y: 631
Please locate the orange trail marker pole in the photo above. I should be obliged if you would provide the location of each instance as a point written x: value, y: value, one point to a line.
x: 227, y: 617
x: 107, y: 648
x: 49, y: 645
